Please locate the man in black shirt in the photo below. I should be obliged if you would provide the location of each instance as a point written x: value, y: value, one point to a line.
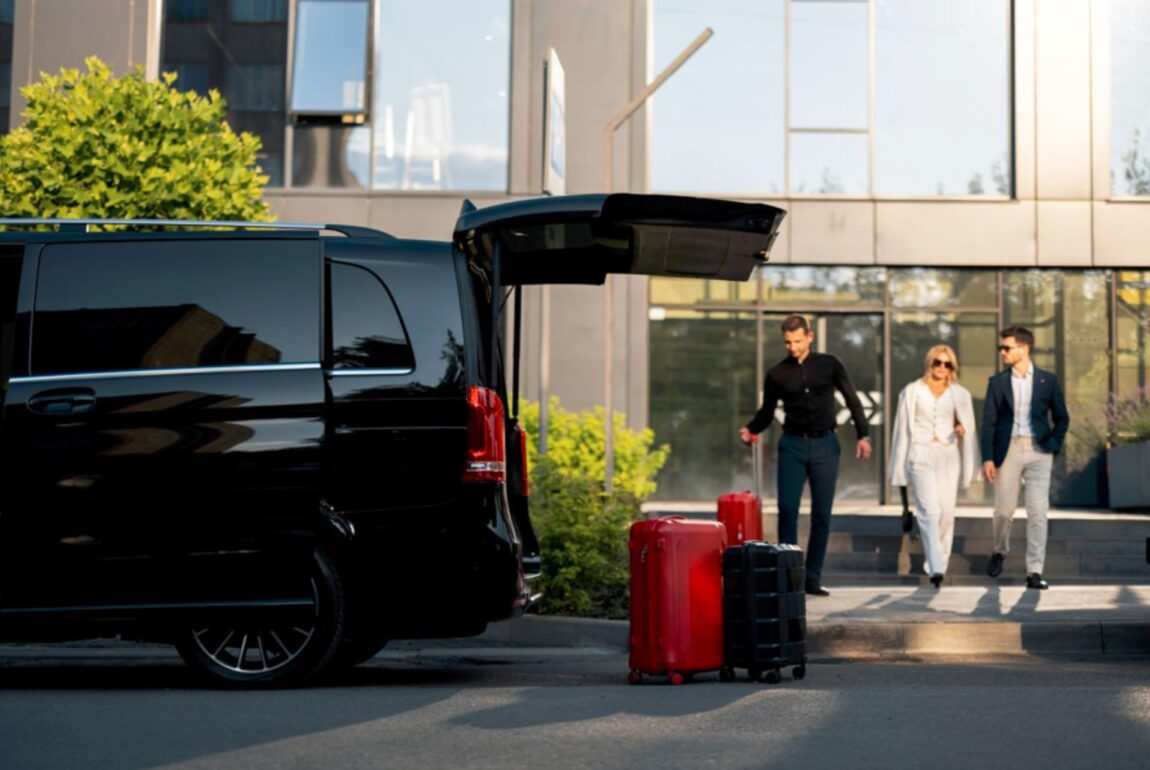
x: 809, y: 448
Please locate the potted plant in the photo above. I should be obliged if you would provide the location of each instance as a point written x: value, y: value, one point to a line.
x: 1128, y: 449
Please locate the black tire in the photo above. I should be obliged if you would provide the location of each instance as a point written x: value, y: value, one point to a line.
x: 799, y: 672
x: 359, y: 648
x: 274, y: 651
x: 773, y: 677
x: 726, y: 674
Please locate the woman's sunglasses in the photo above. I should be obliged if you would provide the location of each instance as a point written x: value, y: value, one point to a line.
x: 947, y: 364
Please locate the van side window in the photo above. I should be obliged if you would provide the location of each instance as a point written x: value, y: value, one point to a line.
x: 162, y: 304
x: 366, y: 330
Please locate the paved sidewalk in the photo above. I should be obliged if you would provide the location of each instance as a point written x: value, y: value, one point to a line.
x: 892, y: 621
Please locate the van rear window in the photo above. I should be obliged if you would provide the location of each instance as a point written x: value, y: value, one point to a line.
x: 366, y: 330
x: 175, y: 304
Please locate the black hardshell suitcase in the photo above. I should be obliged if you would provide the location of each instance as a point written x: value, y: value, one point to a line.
x: 764, y: 611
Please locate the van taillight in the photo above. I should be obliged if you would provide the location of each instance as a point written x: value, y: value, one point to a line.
x: 486, y: 447
x: 522, y: 458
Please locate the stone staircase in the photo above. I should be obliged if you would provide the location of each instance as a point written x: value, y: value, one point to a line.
x: 867, y: 546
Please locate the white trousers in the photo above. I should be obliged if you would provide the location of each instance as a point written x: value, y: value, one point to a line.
x: 933, y: 474
x: 1023, y: 461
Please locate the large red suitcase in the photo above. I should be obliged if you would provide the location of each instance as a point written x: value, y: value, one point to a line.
x: 742, y: 514
x: 676, y: 597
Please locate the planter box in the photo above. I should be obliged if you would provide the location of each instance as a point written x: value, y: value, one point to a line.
x: 1128, y: 470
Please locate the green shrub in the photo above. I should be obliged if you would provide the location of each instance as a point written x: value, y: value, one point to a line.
x: 583, y: 531
x: 95, y: 145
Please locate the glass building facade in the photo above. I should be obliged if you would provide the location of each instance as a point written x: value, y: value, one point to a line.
x: 711, y: 344
x: 356, y: 94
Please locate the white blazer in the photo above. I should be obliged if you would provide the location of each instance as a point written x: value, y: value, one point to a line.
x: 904, y: 422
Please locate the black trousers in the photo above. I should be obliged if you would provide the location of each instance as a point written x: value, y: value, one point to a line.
x: 817, y: 460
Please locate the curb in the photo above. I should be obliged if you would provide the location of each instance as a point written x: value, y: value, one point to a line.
x: 872, y: 640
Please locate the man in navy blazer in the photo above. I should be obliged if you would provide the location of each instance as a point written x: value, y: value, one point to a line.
x: 1024, y: 423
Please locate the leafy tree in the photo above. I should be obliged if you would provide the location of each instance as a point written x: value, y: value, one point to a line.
x: 96, y: 145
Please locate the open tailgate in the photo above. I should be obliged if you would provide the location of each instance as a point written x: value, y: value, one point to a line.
x: 580, y: 239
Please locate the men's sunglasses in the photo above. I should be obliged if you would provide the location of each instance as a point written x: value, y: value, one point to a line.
x: 947, y: 364
x: 1006, y: 348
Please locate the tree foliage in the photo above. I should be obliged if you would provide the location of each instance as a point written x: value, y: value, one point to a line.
x: 96, y: 145
x: 582, y: 530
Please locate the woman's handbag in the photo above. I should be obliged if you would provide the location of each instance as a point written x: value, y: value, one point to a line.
x: 907, y: 514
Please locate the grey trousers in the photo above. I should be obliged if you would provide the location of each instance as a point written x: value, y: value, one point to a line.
x: 1023, y: 461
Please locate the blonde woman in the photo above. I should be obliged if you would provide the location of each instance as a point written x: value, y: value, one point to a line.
x: 934, y: 451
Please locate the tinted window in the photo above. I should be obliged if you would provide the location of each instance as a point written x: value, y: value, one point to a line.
x: 365, y: 327
x: 169, y: 304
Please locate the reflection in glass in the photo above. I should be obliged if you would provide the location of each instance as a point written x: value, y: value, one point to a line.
x: 829, y: 65
x: 973, y: 336
x: 1068, y: 311
x: 329, y: 64
x: 1129, y: 97
x: 703, y: 390
x: 105, y: 307
x: 441, y: 122
x: 331, y: 156
x: 366, y: 332
x: 950, y: 140
x: 242, y: 58
x: 828, y: 164
x: 711, y: 132
x: 1132, y: 347
x: 823, y: 286
x: 6, y: 28
x: 928, y: 287
x: 689, y: 291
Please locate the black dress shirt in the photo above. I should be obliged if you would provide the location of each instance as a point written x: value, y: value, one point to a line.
x: 808, y: 394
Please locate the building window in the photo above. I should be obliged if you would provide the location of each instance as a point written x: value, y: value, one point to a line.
x: 423, y: 120
x: 259, y: 10
x: 717, y: 123
x: 876, y: 97
x: 7, y: 9
x: 1129, y: 97
x: 240, y: 49
x: 880, y: 321
x: 942, y: 101
x: 441, y: 121
x: 329, y: 64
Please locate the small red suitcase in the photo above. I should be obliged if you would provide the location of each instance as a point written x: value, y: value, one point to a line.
x: 676, y: 597
x: 742, y: 512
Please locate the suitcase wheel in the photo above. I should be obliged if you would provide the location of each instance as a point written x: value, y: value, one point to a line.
x: 773, y: 676
x: 799, y: 672
x: 676, y: 677
x: 726, y: 674
x: 634, y: 678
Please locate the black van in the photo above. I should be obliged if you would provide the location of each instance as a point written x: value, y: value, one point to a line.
x: 279, y: 446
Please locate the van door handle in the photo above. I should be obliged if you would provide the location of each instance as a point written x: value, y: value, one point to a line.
x: 63, y: 401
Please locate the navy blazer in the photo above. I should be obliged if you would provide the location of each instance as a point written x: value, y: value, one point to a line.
x: 1049, y: 419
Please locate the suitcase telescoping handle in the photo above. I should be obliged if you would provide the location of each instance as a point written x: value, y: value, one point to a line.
x: 758, y: 466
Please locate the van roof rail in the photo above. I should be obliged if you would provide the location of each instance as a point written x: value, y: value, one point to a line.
x: 82, y: 225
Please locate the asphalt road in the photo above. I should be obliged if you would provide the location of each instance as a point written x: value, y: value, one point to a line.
x: 543, y: 709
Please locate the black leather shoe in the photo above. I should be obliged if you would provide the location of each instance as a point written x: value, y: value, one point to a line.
x: 1034, y: 580
x: 814, y: 589
x: 937, y: 580
x: 994, y: 569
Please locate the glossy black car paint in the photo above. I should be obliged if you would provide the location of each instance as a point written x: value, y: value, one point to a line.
x: 144, y: 498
